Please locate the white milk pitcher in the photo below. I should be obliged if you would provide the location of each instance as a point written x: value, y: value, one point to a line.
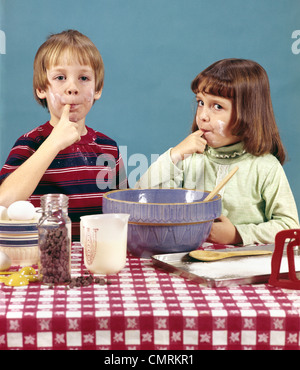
x: 104, y: 240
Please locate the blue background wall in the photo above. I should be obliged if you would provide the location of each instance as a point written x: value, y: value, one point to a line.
x: 152, y: 49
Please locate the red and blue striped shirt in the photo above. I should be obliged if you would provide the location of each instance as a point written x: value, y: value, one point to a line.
x: 84, y: 171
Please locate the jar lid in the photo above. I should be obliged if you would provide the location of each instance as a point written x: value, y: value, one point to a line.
x: 55, y: 200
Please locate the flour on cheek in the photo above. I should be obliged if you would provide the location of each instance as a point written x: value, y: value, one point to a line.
x: 89, y: 97
x: 79, y: 104
x: 217, y: 134
x: 56, y: 100
x: 220, y: 128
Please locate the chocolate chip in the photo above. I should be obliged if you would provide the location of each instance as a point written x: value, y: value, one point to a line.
x: 81, y: 281
x: 54, y: 255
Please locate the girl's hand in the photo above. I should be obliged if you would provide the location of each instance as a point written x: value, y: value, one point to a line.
x: 224, y: 232
x: 65, y: 132
x: 194, y: 143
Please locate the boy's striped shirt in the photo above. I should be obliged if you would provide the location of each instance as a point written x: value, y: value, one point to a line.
x: 84, y: 171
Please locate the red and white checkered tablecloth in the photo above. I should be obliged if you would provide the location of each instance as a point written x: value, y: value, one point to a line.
x: 145, y: 307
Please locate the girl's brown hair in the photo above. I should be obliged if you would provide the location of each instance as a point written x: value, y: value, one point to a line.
x: 247, y: 85
x: 72, y: 44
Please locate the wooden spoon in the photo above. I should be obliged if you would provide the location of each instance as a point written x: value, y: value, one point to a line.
x: 221, y: 184
x: 208, y: 256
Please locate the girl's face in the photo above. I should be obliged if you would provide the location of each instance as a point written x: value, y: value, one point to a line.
x: 70, y: 83
x: 213, y: 117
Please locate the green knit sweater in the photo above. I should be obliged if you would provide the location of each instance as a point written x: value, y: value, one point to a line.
x: 257, y: 199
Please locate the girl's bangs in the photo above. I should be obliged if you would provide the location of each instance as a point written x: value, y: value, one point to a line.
x: 213, y: 86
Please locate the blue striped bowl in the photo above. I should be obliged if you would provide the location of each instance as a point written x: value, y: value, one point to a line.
x: 19, y: 240
x: 164, y: 220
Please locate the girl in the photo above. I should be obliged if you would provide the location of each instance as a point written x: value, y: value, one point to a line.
x: 234, y: 125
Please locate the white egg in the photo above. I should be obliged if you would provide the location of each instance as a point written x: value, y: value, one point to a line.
x: 21, y: 210
x: 3, y: 213
x: 5, y: 261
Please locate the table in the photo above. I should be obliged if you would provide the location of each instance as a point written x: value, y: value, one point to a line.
x: 146, y: 308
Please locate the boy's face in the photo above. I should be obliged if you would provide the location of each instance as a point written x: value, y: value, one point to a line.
x: 70, y: 83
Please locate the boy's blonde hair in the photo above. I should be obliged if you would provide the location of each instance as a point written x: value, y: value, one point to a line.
x: 72, y: 44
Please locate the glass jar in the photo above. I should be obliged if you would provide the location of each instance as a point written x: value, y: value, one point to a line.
x: 54, y: 232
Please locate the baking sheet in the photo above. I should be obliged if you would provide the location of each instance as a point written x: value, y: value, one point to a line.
x: 226, y: 272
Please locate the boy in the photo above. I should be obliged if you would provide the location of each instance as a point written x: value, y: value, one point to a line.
x: 64, y: 155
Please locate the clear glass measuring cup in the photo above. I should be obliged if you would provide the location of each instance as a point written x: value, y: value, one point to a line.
x: 104, y: 241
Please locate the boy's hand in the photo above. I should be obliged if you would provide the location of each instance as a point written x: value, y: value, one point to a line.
x: 224, y: 232
x: 65, y: 132
x: 194, y: 143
